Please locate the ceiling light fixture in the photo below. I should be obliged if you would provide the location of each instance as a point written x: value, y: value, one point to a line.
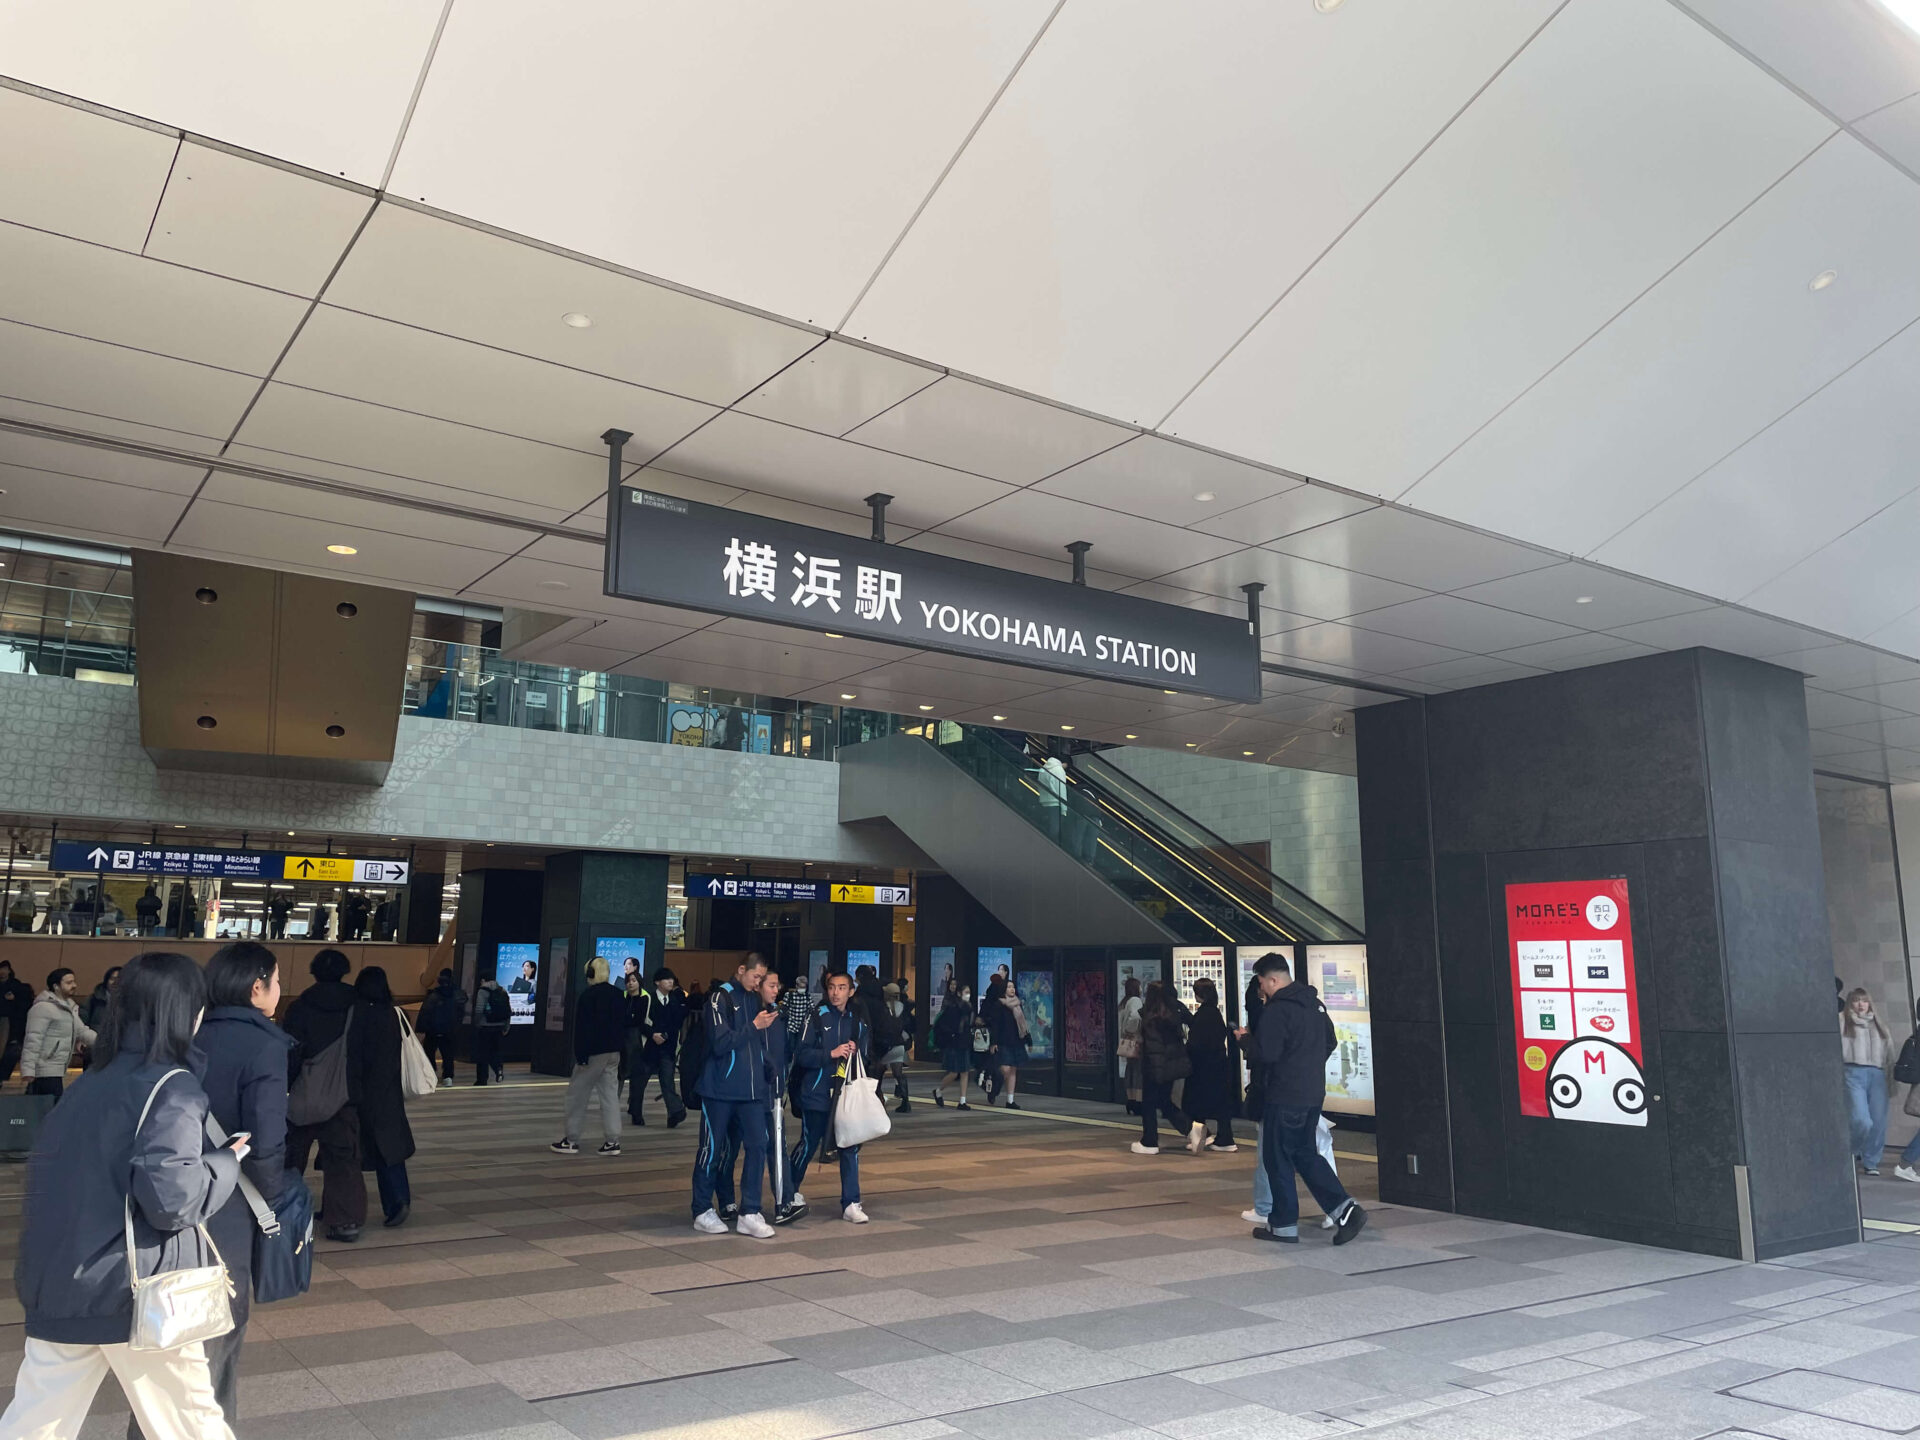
x: 1246, y: 752
x: 576, y: 320
x: 1066, y: 727
x: 926, y: 707
x: 1169, y: 692
x: 1191, y: 745
x: 555, y: 585
x: 1132, y: 736
x: 831, y: 636
x: 342, y: 550
x: 1327, y: 7
x: 1825, y: 277
x: 999, y: 717
x: 1583, y: 599
x: 845, y: 696
x: 1204, y: 496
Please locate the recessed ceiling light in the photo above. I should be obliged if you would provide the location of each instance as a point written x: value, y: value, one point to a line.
x: 845, y: 696
x: 342, y: 550
x: 1204, y: 496
x: 1822, y: 280
x: 1169, y: 692
x: 1583, y: 599
x: 555, y: 585
x: 831, y: 636
x: 1191, y: 745
x: 999, y: 717
x: 289, y: 832
x: 1066, y: 727
x: 1132, y: 736
x: 179, y: 827
x: 578, y: 321
x: 1246, y: 752
x: 1327, y: 7
x: 926, y: 707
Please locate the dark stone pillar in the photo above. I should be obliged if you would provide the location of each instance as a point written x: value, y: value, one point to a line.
x: 420, y: 921
x: 592, y: 896
x: 497, y: 907
x: 1688, y: 775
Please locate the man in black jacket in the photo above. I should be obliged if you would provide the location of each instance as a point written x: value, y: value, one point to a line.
x: 318, y: 1017
x: 1294, y: 1038
x: 661, y: 1013
x: 599, y: 1031
x: 16, y: 999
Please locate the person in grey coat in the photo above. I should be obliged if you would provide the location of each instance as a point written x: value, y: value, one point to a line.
x: 54, y: 1031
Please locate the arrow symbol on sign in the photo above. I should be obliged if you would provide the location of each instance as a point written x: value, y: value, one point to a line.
x: 844, y: 892
x: 394, y: 872
x: 98, y: 856
x: 305, y: 867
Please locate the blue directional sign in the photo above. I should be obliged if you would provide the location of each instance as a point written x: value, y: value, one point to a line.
x: 163, y: 860
x: 741, y: 887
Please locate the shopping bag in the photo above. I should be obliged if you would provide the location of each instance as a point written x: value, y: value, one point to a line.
x: 417, y: 1075
x: 860, y: 1114
x: 1323, y: 1142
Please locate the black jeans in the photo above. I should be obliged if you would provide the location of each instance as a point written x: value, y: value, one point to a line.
x: 54, y: 1085
x: 1290, y: 1144
x: 343, y: 1200
x: 438, y: 1042
x: 653, y: 1061
x: 486, y: 1053
x: 1156, y: 1096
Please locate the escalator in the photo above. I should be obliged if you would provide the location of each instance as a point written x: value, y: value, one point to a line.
x: 1085, y: 856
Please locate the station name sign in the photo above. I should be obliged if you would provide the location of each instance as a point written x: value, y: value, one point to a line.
x: 747, y: 887
x: 99, y: 855
x: 679, y: 552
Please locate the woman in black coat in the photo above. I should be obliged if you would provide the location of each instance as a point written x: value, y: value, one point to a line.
x: 246, y: 1083
x: 127, y: 1140
x: 1213, y: 1090
x: 386, y: 1140
x: 1163, y: 1060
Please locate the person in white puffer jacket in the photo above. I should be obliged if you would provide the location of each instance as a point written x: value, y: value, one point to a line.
x: 54, y: 1031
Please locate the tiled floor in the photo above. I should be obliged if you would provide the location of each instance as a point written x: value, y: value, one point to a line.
x: 1027, y: 1277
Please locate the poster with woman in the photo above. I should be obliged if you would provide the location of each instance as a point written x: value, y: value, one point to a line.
x: 1035, y: 988
x: 940, y: 977
x: 1087, y: 1017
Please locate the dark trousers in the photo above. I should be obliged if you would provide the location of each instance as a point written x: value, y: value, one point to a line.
x: 486, y: 1053
x: 54, y: 1085
x: 745, y: 1122
x: 343, y: 1198
x: 723, y: 1191
x: 438, y: 1042
x: 813, y: 1133
x: 1289, y: 1145
x: 654, y: 1061
x: 395, y: 1192
x: 223, y: 1359
x: 10, y: 1056
x: 1156, y: 1098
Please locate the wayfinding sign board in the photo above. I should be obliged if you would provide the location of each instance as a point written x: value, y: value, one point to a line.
x: 223, y: 864
x: 747, y: 887
x: 679, y: 552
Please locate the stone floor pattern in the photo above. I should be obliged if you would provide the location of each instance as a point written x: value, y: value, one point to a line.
x: 1025, y: 1276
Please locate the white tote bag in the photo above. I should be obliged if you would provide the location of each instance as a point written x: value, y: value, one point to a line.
x: 860, y: 1115
x: 417, y: 1075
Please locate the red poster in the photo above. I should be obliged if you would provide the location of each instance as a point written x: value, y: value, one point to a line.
x: 1576, y: 1010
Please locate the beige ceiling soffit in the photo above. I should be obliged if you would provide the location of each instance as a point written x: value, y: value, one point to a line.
x: 229, y: 465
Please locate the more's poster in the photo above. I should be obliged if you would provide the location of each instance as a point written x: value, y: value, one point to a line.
x: 1146, y: 971
x: 1035, y: 988
x: 1198, y: 962
x: 940, y: 975
x: 1339, y: 973
x: 992, y: 960
x: 1086, y: 1017
x: 557, y: 959
x: 817, y: 973
x: 1576, y: 1009
x: 516, y: 969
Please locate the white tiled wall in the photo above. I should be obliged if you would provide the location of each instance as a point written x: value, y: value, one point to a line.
x: 69, y: 748
x: 1310, y: 819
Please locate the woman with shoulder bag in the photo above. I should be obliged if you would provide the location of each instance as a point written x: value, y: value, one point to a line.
x: 1007, y: 1025
x: 386, y: 1139
x: 1163, y: 1056
x: 1907, y: 1071
x: 123, y: 1171
x: 1127, y: 1050
x: 1865, y: 1049
x: 1213, y: 1090
x: 953, y: 1033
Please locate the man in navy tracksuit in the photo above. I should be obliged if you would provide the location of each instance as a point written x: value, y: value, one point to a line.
x: 733, y: 1100
x: 833, y: 1034
x: 769, y: 1047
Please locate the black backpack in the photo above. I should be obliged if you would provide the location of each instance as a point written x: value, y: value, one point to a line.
x: 693, y: 1055
x: 499, y: 1008
x: 1907, y: 1068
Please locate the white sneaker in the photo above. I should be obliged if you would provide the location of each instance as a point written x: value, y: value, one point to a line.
x: 1140, y: 1149
x: 854, y: 1215
x: 1196, y: 1137
x: 1906, y: 1172
x: 1253, y: 1217
x: 754, y: 1227
x: 710, y: 1223
x: 799, y: 1199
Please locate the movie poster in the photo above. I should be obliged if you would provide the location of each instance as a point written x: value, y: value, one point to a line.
x: 1086, y: 1017
x: 1035, y: 988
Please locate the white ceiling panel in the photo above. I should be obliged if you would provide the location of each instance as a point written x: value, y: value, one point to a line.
x: 990, y: 432
x: 1851, y: 56
x: 1301, y: 508
x: 1295, y: 585
x: 1365, y: 652
x: 1412, y: 548
x: 329, y: 96
x: 254, y: 222
x: 782, y: 460
x: 1848, y: 667
x: 798, y: 662
x: 777, y: 507
x: 1123, y: 544
x: 1828, y: 711
x: 1716, y: 352
x: 1896, y: 130
x: 517, y: 582
x: 1824, y: 468
x: 1902, y: 634
x: 836, y: 387
x: 580, y: 655
x: 944, y: 687
x: 347, y: 353
x: 71, y: 505
x: 262, y: 537
x: 425, y: 271
x: 1161, y: 479
x: 1027, y: 564
x: 34, y: 453
x: 1860, y: 583
x: 49, y: 368
x: 105, y: 294
x: 1584, y: 596
x: 52, y: 148
x: 1118, y: 166
x: 635, y: 636
x: 1462, y: 625
x: 456, y: 458
x: 1472, y: 670
x: 866, y: 652
x: 664, y: 482
x: 771, y: 153
x: 361, y: 515
x: 1524, y: 228
x: 1576, y: 652
x: 1723, y: 628
x: 573, y: 554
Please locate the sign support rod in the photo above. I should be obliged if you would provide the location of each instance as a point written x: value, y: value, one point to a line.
x: 616, y: 443
x: 1252, y: 591
x: 878, y: 502
x: 1078, y: 549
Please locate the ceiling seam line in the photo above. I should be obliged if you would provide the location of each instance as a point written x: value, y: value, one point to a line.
x: 161, y: 198
x: 130, y: 349
x: 1365, y: 210
x: 1608, y: 324
x: 1735, y: 449
x: 413, y: 100
x: 938, y: 376
x: 947, y: 169
x: 267, y: 379
x: 1804, y: 560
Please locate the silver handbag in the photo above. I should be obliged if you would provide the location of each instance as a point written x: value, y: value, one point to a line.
x: 177, y: 1307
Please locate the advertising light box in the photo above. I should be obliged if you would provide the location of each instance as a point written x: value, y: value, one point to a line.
x: 678, y: 552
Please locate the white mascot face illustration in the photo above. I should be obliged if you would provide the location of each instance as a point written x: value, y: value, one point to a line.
x: 1597, y: 1081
